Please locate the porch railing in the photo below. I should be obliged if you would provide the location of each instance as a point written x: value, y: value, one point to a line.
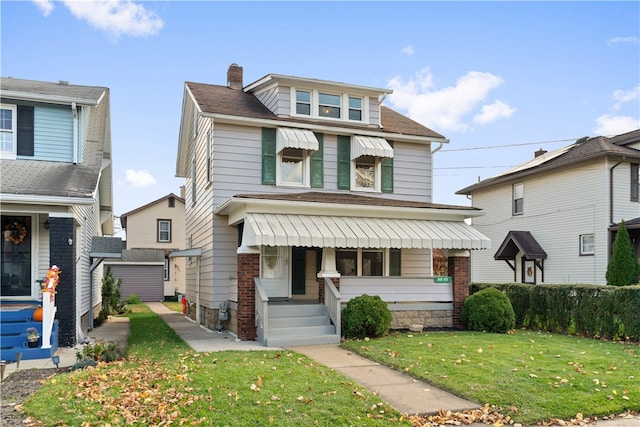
x: 262, y: 312
x: 332, y: 302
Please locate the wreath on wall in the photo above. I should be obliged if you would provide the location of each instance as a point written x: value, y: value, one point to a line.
x: 15, y: 233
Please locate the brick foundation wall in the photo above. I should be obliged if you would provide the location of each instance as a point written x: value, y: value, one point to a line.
x: 63, y: 255
x: 248, y: 269
x: 460, y: 272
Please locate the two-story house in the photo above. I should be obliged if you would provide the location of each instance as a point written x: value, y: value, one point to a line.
x: 153, y: 232
x: 56, y: 195
x: 555, y: 216
x: 302, y: 194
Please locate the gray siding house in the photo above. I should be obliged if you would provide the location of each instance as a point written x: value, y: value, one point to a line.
x: 302, y: 194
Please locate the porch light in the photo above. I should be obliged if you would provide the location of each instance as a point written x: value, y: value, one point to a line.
x: 55, y: 359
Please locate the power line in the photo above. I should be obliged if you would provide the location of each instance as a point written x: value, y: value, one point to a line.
x: 508, y: 145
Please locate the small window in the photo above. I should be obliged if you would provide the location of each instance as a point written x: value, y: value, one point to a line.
x: 329, y: 105
x: 518, y: 199
x: 347, y: 262
x: 355, y: 109
x: 587, y: 244
x: 166, y: 269
x: 164, y: 230
x: 8, y: 117
x: 171, y: 202
x: 372, y: 262
x: 366, y: 171
x: 293, y: 166
x: 303, y: 102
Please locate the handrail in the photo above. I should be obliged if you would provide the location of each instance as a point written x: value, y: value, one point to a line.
x: 332, y: 302
x: 262, y: 312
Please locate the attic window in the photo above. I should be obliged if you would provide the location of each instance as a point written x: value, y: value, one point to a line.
x: 303, y: 102
x: 341, y: 106
x: 329, y: 105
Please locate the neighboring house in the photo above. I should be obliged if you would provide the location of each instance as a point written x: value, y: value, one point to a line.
x: 553, y: 219
x: 158, y: 225
x: 302, y: 194
x: 55, y: 194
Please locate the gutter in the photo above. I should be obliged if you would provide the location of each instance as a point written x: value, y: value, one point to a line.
x: 29, y: 199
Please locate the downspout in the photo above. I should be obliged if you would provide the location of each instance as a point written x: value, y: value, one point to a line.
x: 198, y: 290
x: 74, y: 110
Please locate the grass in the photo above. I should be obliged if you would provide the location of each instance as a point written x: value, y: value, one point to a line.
x: 534, y: 376
x: 173, y: 306
x: 164, y: 382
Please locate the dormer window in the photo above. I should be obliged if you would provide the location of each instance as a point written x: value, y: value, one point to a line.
x: 329, y: 105
x: 313, y: 103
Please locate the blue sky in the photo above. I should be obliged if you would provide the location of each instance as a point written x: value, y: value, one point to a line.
x: 499, y: 79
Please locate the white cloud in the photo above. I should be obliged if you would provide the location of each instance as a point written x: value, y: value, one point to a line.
x: 492, y: 112
x: 115, y: 17
x: 447, y: 109
x: 408, y: 50
x: 139, y: 178
x: 623, y: 96
x: 609, y: 125
x: 619, y: 40
x: 45, y: 6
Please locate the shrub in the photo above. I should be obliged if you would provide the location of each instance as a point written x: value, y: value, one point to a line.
x: 488, y: 310
x: 623, y: 268
x: 366, y: 316
x: 133, y: 299
x: 100, y: 351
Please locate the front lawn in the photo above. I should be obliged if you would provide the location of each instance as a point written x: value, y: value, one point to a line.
x: 532, y: 376
x: 163, y: 382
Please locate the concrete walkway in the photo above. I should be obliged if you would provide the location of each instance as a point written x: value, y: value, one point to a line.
x: 401, y: 391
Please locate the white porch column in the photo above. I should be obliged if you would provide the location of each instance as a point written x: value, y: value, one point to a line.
x: 328, y: 263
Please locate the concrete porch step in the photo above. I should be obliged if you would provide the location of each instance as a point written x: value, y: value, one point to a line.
x: 293, y: 341
x: 284, y: 322
x: 296, y: 310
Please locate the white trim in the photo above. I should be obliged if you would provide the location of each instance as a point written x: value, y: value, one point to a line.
x: 11, y: 154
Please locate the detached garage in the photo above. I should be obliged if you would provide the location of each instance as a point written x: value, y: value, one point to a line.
x: 141, y: 272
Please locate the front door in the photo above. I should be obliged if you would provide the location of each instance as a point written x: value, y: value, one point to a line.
x: 15, y: 265
x: 298, y: 276
x: 275, y: 272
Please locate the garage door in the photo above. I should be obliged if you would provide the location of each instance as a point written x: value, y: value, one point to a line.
x: 146, y: 281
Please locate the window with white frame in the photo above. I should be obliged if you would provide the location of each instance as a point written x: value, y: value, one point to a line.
x: 587, y: 244
x: 166, y: 269
x: 518, y: 199
x: 164, y: 230
x: 315, y: 103
x: 8, y: 132
x: 367, y: 262
x: 293, y: 167
x: 367, y: 173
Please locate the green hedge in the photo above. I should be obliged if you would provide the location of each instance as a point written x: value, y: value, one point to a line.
x: 592, y: 311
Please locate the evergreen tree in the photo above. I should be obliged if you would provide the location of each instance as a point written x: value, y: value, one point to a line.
x: 623, y: 268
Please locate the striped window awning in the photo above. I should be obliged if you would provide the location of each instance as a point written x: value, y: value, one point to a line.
x: 358, y: 232
x: 370, y: 146
x: 296, y: 138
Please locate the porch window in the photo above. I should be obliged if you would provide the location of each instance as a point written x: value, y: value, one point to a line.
x: 372, y: 263
x: 366, y: 262
x: 587, y: 244
x: 347, y: 262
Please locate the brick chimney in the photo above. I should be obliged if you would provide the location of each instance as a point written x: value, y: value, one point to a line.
x: 539, y: 153
x: 234, y: 76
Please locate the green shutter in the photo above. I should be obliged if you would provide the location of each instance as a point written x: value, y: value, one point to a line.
x: 317, y: 172
x: 395, y: 262
x: 25, y: 131
x: 386, y: 174
x: 268, y: 156
x: 344, y: 162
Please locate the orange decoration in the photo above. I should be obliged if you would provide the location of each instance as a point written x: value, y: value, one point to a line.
x: 37, y: 314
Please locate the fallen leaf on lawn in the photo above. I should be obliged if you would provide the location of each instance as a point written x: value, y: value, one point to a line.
x: 533, y: 375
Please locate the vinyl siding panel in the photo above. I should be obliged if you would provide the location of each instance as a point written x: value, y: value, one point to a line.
x: 53, y: 134
x: 558, y: 208
x: 416, y: 263
x: 623, y: 207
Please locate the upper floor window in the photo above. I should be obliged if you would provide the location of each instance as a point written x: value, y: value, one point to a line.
x: 292, y: 156
x: 164, y: 230
x: 365, y: 163
x: 518, y: 199
x: 587, y: 244
x: 8, y: 135
x: 635, y: 182
x: 330, y: 105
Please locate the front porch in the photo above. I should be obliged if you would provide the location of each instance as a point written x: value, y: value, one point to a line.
x: 15, y: 318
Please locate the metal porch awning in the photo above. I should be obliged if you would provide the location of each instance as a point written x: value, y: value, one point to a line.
x: 358, y: 232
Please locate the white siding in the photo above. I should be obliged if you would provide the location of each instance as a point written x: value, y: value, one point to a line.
x: 416, y: 262
x: 558, y: 208
x: 623, y: 207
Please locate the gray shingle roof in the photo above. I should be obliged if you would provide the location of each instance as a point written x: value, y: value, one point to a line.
x: 520, y: 241
x: 224, y: 100
x: 59, y: 179
x: 591, y: 148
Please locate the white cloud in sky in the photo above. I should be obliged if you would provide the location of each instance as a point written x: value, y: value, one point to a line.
x: 408, y: 50
x: 619, y: 40
x: 115, y: 17
x: 615, y: 124
x: 447, y: 109
x: 139, y: 178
